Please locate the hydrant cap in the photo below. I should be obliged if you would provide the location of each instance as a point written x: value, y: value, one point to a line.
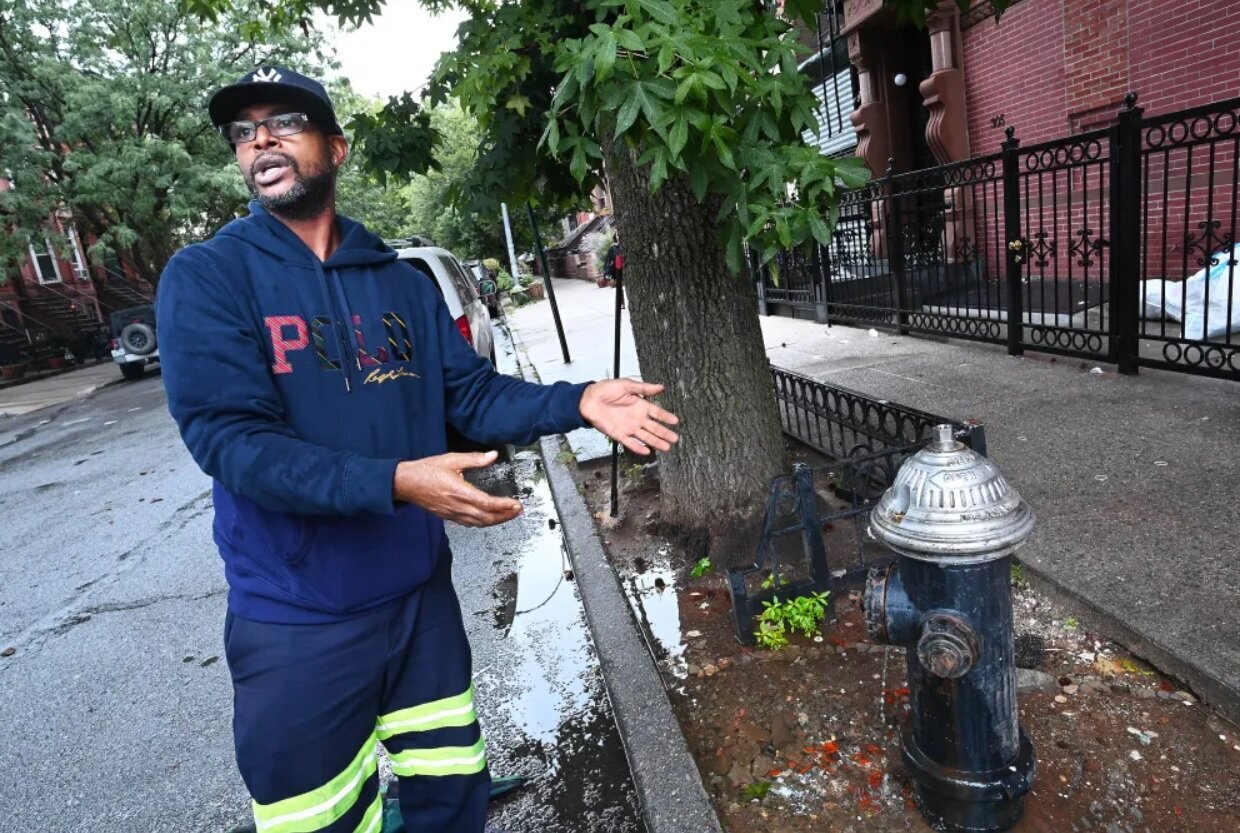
x: 950, y: 504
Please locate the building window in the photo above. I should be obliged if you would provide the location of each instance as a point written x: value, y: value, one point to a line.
x: 46, y: 269
x: 80, y: 270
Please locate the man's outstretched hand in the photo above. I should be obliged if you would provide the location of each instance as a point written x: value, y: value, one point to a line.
x: 620, y: 408
x: 438, y: 485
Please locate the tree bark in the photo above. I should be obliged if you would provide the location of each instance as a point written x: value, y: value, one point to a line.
x: 697, y: 333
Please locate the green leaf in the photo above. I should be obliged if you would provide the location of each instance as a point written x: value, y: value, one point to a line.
x: 628, y: 112
x: 519, y: 103
x: 679, y: 135
x: 606, y: 57
x: 630, y: 40
x: 667, y: 56
x: 578, y: 164
x: 821, y: 233
x: 852, y: 171
x: 658, y: 171
x: 660, y: 10
x: 699, y: 180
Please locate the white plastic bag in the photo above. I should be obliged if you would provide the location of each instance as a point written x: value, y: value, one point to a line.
x: 1186, y: 301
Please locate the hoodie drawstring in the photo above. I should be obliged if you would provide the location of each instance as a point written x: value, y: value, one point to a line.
x: 337, y: 307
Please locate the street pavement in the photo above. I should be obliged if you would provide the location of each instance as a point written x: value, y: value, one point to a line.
x: 588, y: 315
x: 27, y: 396
x: 1133, y: 478
x: 115, y: 700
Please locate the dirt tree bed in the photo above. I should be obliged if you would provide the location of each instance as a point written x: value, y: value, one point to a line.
x: 807, y: 738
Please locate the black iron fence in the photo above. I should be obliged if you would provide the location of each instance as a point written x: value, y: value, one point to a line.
x: 814, y: 529
x: 1117, y: 245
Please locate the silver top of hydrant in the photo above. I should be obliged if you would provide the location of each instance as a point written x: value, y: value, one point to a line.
x: 950, y: 504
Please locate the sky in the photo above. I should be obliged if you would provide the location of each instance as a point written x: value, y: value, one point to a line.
x: 398, y: 51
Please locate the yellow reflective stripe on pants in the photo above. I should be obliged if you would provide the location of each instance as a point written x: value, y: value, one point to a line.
x: 320, y: 807
x: 438, y: 714
x: 446, y: 760
x: 372, y: 822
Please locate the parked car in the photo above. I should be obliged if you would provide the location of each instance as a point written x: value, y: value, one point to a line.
x: 459, y: 292
x: 468, y: 311
x: 134, y: 343
x: 488, y: 289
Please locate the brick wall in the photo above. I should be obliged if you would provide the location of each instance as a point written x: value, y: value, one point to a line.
x: 1184, y: 53
x: 1014, y: 75
x: 1051, y: 67
x: 1095, y: 55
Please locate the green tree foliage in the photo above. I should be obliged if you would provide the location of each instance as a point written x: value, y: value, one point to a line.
x: 383, y: 207
x: 440, y: 200
x: 102, y: 113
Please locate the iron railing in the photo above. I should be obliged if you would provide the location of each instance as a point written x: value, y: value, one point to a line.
x: 1117, y: 245
x: 814, y: 528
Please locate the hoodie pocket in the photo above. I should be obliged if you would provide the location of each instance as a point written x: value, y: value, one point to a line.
x: 351, y: 564
x: 284, y: 535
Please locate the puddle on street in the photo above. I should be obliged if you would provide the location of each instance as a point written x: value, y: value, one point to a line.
x: 652, y: 593
x: 551, y: 720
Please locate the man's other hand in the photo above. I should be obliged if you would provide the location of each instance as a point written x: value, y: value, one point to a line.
x: 438, y: 485
x: 620, y: 408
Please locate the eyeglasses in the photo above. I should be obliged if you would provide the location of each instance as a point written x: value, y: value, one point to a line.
x: 285, y: 124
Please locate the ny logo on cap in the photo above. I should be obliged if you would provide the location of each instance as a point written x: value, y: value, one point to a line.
x: 269, y: 74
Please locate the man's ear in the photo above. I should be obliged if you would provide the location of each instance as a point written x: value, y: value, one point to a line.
x: 339, y: 147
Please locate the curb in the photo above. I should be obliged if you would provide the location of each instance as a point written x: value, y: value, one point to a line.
x: 665, y: 776
x: 1211, y: 689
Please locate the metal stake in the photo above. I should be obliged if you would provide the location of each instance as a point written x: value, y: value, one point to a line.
x: 555, y: 309
x: 615, y: 446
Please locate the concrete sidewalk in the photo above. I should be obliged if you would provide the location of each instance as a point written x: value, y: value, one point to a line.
x: 1133, y: 478
x: 19, y: 399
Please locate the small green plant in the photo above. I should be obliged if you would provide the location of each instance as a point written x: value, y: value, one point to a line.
x: 565, y: 457
x: 755, y: 791
x: 1071, y: 623
x: 701, y: 568
x: 803, y: 614
x: 634, y: 472
x: 772, y: 579
x: 526, y: 280
x: 504, y: 280
x: 1018, y: 576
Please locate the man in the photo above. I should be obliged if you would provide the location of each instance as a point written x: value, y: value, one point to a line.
x: 312, y: 376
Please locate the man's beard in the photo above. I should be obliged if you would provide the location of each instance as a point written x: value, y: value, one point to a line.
x: 309, y: 196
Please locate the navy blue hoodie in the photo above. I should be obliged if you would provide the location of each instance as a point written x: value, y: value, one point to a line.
x: 298, y: 385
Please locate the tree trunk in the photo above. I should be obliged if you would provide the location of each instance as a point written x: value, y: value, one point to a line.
x: 696, y: 329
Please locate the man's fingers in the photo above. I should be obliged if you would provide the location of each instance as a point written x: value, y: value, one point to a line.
x: 471, y: 460
x: 663, y: 415
x: 642, y: 388
x: 667, y: 435
x: 635, y: 446
x: 648, y: 437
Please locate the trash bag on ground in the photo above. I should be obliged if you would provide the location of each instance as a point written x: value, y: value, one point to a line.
x: 1187, y: 302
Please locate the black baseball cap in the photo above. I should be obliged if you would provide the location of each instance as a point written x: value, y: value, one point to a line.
x: 276, y: 85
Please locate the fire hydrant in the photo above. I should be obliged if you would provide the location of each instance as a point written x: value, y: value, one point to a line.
x: 955, y: 522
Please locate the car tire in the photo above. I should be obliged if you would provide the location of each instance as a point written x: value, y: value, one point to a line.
x: 133, y: 371
x: 138, y: 338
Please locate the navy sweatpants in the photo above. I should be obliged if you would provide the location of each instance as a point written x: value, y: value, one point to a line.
x: 311, y: 701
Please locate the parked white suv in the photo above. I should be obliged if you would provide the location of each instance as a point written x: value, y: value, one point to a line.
x: 459, y: 292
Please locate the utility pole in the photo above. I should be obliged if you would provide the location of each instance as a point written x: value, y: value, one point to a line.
x: 512, y: 253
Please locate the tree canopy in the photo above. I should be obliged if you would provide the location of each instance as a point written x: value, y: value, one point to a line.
x: 102, y: 113
x: 707, y: 89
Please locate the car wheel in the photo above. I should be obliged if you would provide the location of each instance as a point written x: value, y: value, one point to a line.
x: 132, y: 371
x: 138, y: 338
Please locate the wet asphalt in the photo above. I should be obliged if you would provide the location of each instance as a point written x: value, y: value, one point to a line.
x: 115, y: 702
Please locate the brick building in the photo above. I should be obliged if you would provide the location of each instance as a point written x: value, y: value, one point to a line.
x: 56, y: 295
x: 1048, y: 68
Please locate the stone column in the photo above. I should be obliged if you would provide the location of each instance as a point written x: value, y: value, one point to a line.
x: 947, y: 132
